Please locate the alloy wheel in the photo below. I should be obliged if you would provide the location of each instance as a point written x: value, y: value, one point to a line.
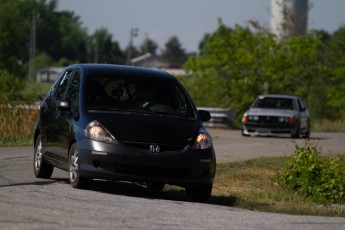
x: 73, y: 167
x: 38, y: 156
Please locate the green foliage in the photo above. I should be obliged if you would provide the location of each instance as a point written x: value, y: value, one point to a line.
x: 336, y: 92
x: 14, y: 90
x: 174, y: 52
x: 10, y: 87
x: 43, y: 60
x: 30, y: 93
x: 14, y: 33
x: 235, y: 65
x: 104, y: 50
x: 318, y: 178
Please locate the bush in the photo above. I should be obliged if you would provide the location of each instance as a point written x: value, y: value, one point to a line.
x: 10, y: 87
x: 322, y: 179
x: 16, y: 91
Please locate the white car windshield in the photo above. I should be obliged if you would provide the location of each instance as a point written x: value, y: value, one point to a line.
x: 275, y: 103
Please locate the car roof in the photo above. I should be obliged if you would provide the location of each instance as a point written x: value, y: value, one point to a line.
x: 291, y: 96
x: 92, y: 68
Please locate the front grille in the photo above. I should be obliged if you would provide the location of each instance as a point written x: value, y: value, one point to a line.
x: 268, y: 120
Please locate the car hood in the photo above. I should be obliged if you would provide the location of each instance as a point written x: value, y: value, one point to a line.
x: 146, y: 128
x: 272, y: 112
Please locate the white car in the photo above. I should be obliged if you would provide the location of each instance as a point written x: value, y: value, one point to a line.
x: 277, y: 114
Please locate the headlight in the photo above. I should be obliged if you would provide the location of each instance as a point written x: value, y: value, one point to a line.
x: 203, y: 140
x: 96, y: 132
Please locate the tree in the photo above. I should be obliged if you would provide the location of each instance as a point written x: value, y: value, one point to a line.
x: 148, y: 46
x: 202, y: 43
x: 37, y: 28
x: 336, y: 62
x: 174, y: 53
x: 235, y: 65
x: 10, y: 87
x: 14, y: 34
x: 103, y: 49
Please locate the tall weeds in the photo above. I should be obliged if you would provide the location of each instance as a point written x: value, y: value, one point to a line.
x: 17, y: 125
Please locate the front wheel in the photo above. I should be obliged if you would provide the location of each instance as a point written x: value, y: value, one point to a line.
x: 42, y: 168
x: 75, y: 179
x: 199, y: 194
x: 306, y: 135
x: 297, y: 133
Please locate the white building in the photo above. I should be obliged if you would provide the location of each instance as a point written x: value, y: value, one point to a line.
x: 48, y: 74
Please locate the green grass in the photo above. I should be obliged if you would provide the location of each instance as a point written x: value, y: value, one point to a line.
x: 253, y: 185
x: 45, y: 86
x: 328, y: 126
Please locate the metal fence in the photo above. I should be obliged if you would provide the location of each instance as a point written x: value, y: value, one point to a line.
x: 220, y: 118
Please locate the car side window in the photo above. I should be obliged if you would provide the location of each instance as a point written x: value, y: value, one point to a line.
x: 183, y: 106
x: 73, y: 91
x: 52, y: 91
x: 61, y: 90
x: 301, y: 105
x: 63, y: 85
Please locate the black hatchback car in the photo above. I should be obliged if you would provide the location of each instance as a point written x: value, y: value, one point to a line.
x: 112, y: 122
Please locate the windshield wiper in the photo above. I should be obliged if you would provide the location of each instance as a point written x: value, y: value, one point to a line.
x: 103, y: 107
x: 160, y: 112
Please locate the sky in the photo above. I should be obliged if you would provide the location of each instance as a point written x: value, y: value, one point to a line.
x: 189, y: 20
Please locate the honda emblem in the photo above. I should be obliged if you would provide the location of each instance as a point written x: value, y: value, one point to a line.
x: 155, y: 148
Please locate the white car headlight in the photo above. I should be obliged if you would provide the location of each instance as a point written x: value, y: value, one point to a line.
x: 203, y: 140
x: 96, y: 132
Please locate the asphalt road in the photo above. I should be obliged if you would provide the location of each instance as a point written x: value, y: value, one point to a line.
x: 230, y: 146
x: 30, y: 203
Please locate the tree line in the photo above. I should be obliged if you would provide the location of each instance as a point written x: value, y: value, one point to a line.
x: 59, y: 39
x: 232, y: 66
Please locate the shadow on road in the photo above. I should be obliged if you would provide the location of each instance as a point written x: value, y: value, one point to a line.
x: 39, y: 183
x: 173, y: 193
x: 169, y: 193
x: 136, y: 190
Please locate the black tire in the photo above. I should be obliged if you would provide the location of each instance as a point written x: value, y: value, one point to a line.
x: 156, y: 186
x: 306, y: 135
x: 75, y: 179
x: 199, y: 194
x: 297, y: 133
x: 42, y: 168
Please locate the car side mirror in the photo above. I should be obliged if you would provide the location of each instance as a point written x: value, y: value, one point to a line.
x: 64, y: 106
x: 204, y: 115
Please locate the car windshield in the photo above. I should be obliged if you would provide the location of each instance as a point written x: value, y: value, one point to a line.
x: 275, y: 103
x: 137, y: 94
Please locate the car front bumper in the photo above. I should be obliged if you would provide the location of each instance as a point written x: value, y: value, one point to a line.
x: 268, y: 130
x: 188, y: 167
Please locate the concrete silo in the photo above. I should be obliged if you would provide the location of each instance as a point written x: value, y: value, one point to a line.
x: 289, y: 17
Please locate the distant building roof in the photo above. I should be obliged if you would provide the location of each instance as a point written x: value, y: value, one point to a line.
x: 48, y: 74
x: 150, y: 61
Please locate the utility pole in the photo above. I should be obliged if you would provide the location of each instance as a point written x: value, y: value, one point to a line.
x: 32, y: 49
x: 133, y: 33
